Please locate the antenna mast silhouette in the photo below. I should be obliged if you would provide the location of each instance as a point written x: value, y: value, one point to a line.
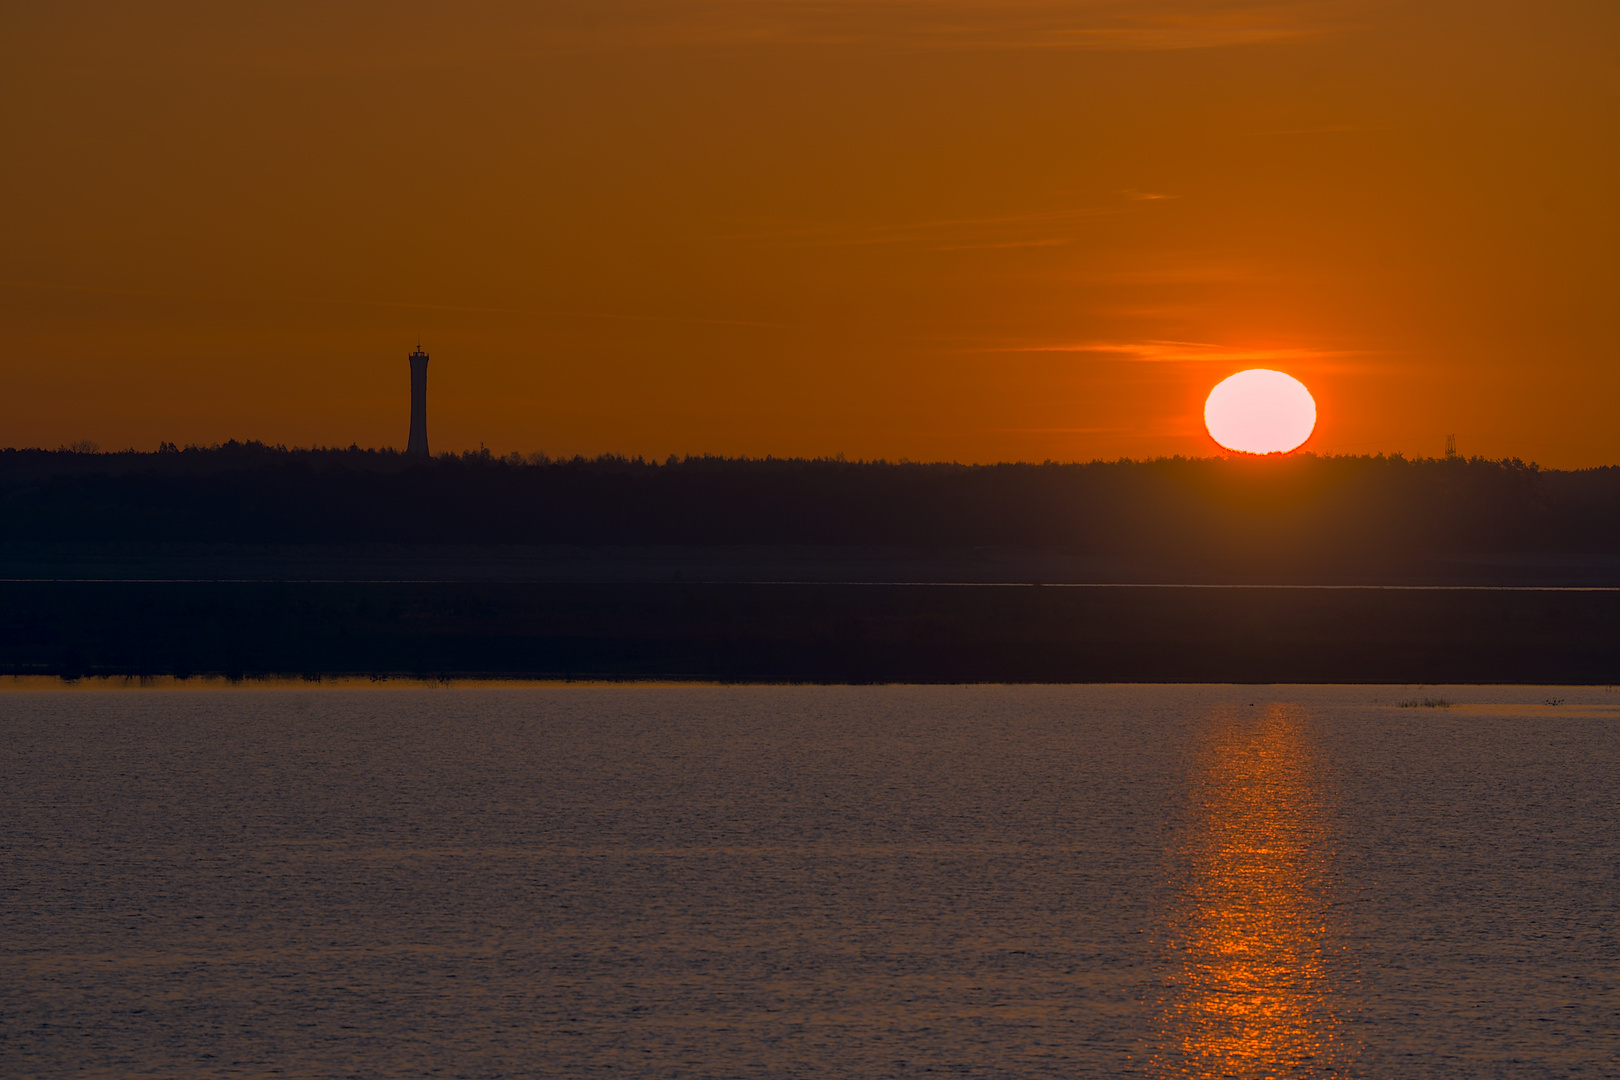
x: 418, y: 446
x: 1451, y: 446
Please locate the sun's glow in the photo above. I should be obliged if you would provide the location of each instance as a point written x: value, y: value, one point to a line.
x: 1260, y: 411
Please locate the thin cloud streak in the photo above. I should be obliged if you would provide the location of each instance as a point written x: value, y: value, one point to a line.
x: 1057, y: 430
x: 1334, y: 129
x: 1037, y: 229
x: 238, y: 298
x: 369, y: 37
x: 1055, y: 242
x: 964, y: 25
x: 906, y: 229
x: 1181, y: 352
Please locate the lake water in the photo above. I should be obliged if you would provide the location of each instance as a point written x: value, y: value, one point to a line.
x: 810, y: 881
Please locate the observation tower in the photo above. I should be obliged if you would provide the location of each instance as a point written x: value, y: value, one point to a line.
x: 417, y: 446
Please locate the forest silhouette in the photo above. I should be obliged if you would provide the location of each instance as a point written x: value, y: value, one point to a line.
x: 244, y: 560
x: 1356, y: 512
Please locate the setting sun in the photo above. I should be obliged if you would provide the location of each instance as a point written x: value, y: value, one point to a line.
x: 1260, y: 412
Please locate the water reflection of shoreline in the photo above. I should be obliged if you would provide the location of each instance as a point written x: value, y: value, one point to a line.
x: 1250, y: 993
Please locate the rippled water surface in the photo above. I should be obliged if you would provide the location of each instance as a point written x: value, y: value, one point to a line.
x: 810, y: 881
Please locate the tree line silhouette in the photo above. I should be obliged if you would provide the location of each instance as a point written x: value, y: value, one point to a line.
x: 1301, y: 519
x: 1348, y: 508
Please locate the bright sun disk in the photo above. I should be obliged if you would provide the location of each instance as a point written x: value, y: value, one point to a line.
x: 1260, y: 411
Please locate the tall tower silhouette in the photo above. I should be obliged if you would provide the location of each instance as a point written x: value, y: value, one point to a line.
x: 417, y: 447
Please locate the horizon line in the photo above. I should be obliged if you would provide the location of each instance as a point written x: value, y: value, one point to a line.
x: 88, y: 448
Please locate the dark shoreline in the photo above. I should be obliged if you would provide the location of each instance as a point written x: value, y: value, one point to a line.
x: 809, y: 632
x: 245, y: 560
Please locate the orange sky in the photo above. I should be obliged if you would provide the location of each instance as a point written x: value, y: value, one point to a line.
x: 1008, y: 229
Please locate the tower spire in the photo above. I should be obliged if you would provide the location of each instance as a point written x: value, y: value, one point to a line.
x: 418, y: 444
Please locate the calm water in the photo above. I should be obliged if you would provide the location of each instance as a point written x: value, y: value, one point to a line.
x: 868, y: 882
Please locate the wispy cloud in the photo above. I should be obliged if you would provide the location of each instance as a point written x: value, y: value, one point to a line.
x: 1049, y: 242
x: 409, y: 305
x: 1097, y: 25
x: 1032, y: 229
x: 365, y: 37
x: 1332, y: 129
x: 1183, y: 352
x: 1056, y: 430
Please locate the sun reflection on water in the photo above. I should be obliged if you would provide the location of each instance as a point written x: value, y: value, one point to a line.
x: 1250, y: 990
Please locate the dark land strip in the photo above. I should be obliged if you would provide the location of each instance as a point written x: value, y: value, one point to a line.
x: 771, y: 563
x: 808, y: 632
x: 244, y: 560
